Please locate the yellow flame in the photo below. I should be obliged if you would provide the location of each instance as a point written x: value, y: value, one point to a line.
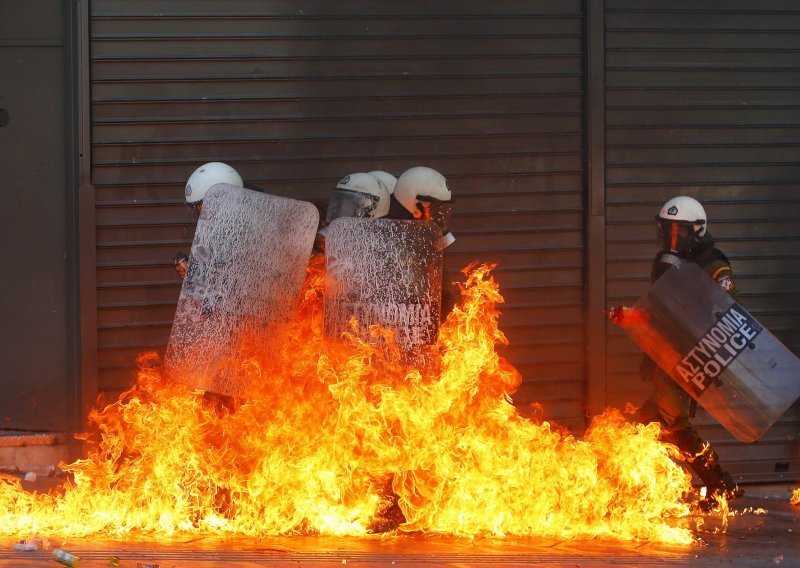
x: 341, y: 430
x: 795, y: 500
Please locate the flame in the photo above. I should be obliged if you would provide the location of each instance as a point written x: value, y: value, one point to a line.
x: 342, y: 437
x: 795, y: 500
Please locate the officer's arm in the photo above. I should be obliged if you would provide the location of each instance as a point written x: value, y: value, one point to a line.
x: 723, y: 275
x: 181, y: 263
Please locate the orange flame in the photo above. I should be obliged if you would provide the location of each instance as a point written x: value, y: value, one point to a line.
x: 341, y: 430
x: 795, y: 500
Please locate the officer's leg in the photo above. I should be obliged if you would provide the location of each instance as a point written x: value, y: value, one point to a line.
x: 674, y: 405
x: 703, y: 460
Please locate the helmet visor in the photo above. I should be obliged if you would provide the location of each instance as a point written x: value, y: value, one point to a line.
x: 196, y: 207
x: 346, y: 203
x: 675, y: 236
x: 436, y: 210
x: 439, y: 212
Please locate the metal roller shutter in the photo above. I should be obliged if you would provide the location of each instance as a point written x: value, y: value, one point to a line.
x: 296, y: 95
x: 702, y: 99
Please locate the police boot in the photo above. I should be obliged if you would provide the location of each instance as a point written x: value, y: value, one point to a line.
x: 704, y: 462
x: 718, y: 482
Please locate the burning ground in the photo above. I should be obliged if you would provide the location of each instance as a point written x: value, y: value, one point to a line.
x: 339, y: 436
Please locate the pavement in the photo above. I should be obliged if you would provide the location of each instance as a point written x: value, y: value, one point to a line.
x: 752, y: 538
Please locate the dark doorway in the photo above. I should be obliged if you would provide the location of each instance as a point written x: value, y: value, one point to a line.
x: 37, y: 361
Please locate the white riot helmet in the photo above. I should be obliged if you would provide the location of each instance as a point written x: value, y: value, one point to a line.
x: 421, y: 185
x: 208, y: 175
x: 387, y: 179
x: 358, y: 195
x: 682, y: 222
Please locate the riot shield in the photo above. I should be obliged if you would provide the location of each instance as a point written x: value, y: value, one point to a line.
x: 715, y: 350
x: 249, y: 258
x: 387, y: 272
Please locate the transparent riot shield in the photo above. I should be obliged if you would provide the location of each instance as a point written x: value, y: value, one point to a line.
x: 248, y: 263
x: 715, y: 350
x: 387, y: 272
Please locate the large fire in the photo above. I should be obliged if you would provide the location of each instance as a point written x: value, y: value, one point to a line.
x: 342, y: 433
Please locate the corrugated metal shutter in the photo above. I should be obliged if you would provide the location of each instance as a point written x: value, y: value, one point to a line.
x: 703, y: 98
x: 296, y: 95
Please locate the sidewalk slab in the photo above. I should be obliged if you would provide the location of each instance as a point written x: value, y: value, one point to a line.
x: 752, y: 538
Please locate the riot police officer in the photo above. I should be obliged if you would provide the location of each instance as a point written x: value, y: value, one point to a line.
x: 358, y: 195
x: 198, y: 184
x: 682, y: 226
x: 361, y: 195
x: 422, y: 193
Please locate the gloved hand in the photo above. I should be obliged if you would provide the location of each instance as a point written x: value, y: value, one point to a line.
x: 181, y: 262
x: 615, y: 315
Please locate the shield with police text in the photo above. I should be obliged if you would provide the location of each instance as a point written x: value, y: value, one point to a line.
x: 248, y: 262
x: 386, y: 272
x: 715, y: 350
